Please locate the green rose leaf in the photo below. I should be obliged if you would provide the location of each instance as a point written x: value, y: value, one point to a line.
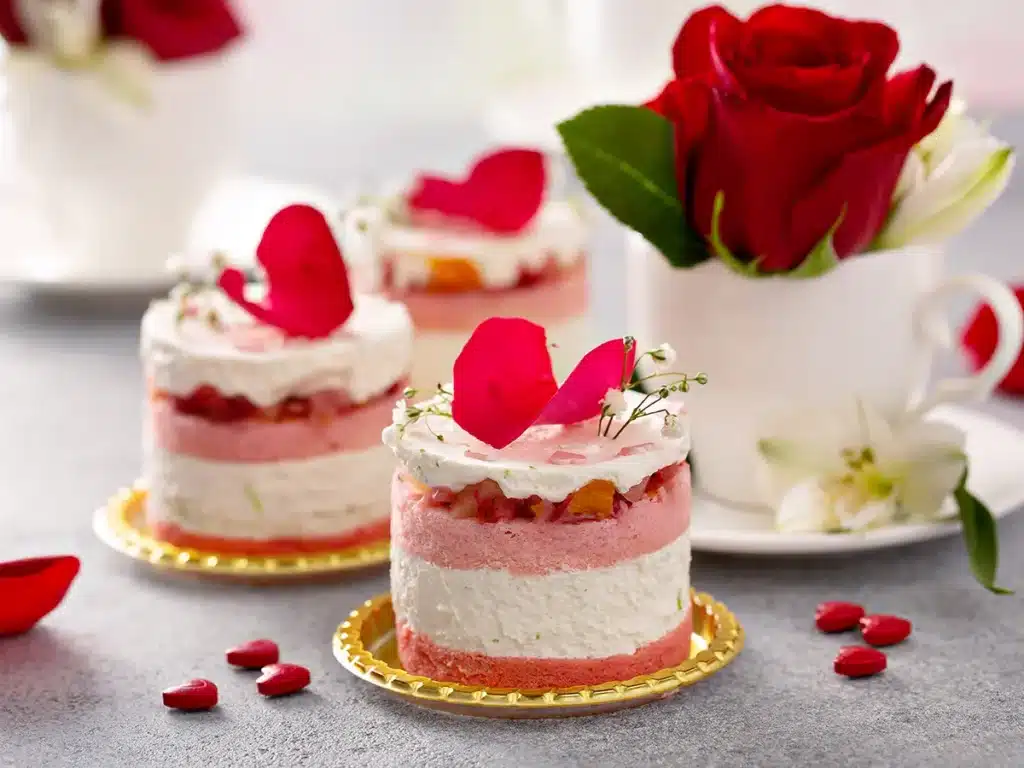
x: 820, y: 260
x: 980, y: 537
x: 625, y: 157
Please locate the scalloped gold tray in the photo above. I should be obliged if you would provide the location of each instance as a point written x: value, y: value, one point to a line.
x: 121, y: 525
x: 365, y: 645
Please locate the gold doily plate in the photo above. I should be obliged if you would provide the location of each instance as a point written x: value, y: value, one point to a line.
x: 365, y: 645
x: 121, y: 525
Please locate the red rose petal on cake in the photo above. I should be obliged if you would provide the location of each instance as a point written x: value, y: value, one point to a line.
x: 282, y: 679
x: 502, y: 380
x: 837, y: 616
x: 859, y: 661
x: 883, y: 630
x: 579, y: 398
x: 979, y: 340
x: 30, y: 589
x: 193, y: 696
x: 309, y: 293
x: 502, y: 193
x: 254, y: 654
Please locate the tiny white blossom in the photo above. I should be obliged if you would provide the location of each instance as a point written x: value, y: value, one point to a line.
x: 400, y: 414
x: 615, y: 402
x: 673, y: 427
x: 664, y: 356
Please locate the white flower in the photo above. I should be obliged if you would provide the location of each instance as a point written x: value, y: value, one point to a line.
x: 664, y: 357
x: 673, y: 427
x: 614, y: 402
x: 854, y: 468
x: 400, y: 414
x: 947, y: 182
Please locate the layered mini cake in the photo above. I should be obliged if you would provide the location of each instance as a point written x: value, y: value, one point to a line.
x: 551, y: 553
x: 494, y: 244
x: 266, y: 402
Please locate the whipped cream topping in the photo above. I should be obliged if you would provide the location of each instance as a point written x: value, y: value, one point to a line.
x: 237, y: 355
x: 548, y: 461
x: 558, y: 232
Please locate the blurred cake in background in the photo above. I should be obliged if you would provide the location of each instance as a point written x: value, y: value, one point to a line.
x: 495, y: 243
x: 266, y: 401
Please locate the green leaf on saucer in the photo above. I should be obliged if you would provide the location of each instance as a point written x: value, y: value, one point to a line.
x: 980, y: 537
x: 625, y: 157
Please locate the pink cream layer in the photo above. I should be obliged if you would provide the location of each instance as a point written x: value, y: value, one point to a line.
x: 421, y: 656
x: 549, y: 301
x: 364, y: 535
x: 254, y: 440
x: 537, y: 547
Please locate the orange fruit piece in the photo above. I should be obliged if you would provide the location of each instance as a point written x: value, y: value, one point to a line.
x: 595, y: 498
x: 450, y: 274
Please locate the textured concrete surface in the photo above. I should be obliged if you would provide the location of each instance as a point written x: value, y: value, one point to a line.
x: 84, y: 688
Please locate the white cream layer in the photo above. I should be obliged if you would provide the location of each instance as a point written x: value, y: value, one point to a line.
x: 325, y: 496
x: 534, y: 465
x: 562, y: 615
x: 434, y: 352
x: 364, y: 358
x: 557, y: 232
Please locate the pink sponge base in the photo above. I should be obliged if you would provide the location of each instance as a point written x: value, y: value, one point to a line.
x: 421, y: 656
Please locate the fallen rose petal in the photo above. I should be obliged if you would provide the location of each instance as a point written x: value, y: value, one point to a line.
x: 193, y: 696
x: 881, y: 630
x: 309, y: 293
x: 837, y: 616
x: 859, y: 661
x: 502, y: 380
x: 502, y: 193
x: 32, y: 588
x: 282, y: 679
x: 580, y: 396
x: 254, y: 654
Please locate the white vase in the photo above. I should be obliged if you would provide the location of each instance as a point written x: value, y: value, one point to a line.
x: 106, y: 190
x: 868, y: 329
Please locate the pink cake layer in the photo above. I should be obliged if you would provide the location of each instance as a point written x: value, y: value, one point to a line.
x: 255, y: 440
x: 421, y: 656
x: 538, y: 547
x: 549, y: 301
x: 365, y: 534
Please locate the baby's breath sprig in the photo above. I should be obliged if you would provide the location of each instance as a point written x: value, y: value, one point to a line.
x: 615, y: 406
x: 439, y: 405
x: 190, y: 283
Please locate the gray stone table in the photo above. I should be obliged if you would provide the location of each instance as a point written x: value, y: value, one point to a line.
x: 83, y: 689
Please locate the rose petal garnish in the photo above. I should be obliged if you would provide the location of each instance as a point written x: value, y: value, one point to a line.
x: 502, y: 380
x: 504, y: 383
x: 309, y: 294
x: 31, y: 589
x: 179, y: 30
x: 579, y: 398
x: 502, y: 193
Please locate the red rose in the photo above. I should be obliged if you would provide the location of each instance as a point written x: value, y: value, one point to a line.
x: 171, y: 29
x: 793, y: 117
x: 980, y: 337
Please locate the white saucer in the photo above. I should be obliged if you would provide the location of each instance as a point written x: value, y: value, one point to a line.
x: 996, y: 452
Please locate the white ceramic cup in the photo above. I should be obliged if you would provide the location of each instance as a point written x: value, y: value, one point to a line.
x: 104, y: 191
x: 868, y: 329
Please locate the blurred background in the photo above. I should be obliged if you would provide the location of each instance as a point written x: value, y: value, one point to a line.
x: 349, y: 95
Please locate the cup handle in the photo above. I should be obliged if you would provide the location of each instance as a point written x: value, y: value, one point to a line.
x: 933, y: 328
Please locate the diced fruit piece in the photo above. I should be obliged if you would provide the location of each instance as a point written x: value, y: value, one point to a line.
x: 566, y: 457
x: 859, y: 661
x: 595, y: 499
x: 837, y: 616
x: 453, y: 274
x: 883, y: 630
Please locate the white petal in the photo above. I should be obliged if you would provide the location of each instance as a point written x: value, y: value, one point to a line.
x: 874, y: 514
x: 805, y: 508
x: 954, y: 127
x: 911, y: 177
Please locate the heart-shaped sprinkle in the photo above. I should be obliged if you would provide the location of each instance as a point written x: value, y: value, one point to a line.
x: 884, y: 630
x: 859, y: 661
x: 192, y: 696
x: 254, y: 654
x: 837, y: 616
x: 282, y: 679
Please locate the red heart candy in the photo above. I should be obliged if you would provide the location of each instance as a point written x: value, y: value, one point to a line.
x: 254, y: 654
x: 282, y: 679
x: 859, y: 661
x: 837, y: 616
x: 884, y: 630
x: 191, y: 696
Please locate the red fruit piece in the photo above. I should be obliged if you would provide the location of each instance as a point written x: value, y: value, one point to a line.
x: 884, y: 630
x: 837, y: 616
x: 859, y: 661
x: 282, y: 679
x: 254, y: 654
x: 192, y: 696
x: 30, y: 589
